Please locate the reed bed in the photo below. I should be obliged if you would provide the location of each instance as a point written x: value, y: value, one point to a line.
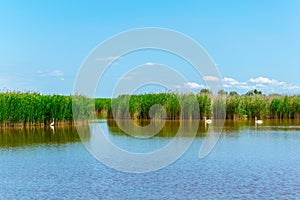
x: 270, y: 107
x: 237, y: 106
x: 36, y: 109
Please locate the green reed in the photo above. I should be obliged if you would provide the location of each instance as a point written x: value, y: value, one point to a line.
x: 272, y: 106
x: 34, y: 108
x: 178, y: 106
x: 172, y: 106
x: 37, y: 109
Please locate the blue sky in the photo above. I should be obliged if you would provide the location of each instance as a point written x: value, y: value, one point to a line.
x: 255, y: 44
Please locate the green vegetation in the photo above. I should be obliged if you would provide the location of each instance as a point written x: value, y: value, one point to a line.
x: 172, y: 106
x: 270, y: 107
x: 138, y: 106
x: 103, y: 107
x: 36, y: 109
x: 252, y: 104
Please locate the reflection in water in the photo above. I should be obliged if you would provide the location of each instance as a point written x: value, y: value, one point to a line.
x: 170, y: 128
x: 13, y: 137
x: 52, y: 128
x: 230, y: 127
x: 233, y: 126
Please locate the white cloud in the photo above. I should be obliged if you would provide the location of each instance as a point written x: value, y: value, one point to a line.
x: 211, y: 78
x: 264, y: 80
x: 260, y: 85
x: 264, y: 84
x: 273, y: 84
x: 232, y: 83
x: 290, y: 87
x: 260, y: 80
x: 193, y: 85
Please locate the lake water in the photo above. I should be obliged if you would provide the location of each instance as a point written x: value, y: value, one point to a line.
x: 248, y: 162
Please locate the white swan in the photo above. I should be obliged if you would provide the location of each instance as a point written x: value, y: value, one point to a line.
x: 52, y: 123
x: 207, y: 121
x: 258, y: 121
x: 52, y: 128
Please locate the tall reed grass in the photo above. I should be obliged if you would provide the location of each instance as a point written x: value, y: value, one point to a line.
x: 34, y: 108
x: 271, y: 107
x: 237, y: 106
x: 37, y: 109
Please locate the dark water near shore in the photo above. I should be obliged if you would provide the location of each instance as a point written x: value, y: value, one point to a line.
x: 248, y: 162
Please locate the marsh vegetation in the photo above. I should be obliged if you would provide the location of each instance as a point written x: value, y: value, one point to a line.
x: 36, y: 109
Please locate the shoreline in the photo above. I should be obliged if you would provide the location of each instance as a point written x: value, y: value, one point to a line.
x: 42, y: 125
x: 145, y: 122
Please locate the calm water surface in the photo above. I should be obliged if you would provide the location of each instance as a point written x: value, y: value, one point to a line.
x: 247, y: 163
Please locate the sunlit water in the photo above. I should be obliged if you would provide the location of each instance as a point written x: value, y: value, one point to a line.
x: 247, y: 163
